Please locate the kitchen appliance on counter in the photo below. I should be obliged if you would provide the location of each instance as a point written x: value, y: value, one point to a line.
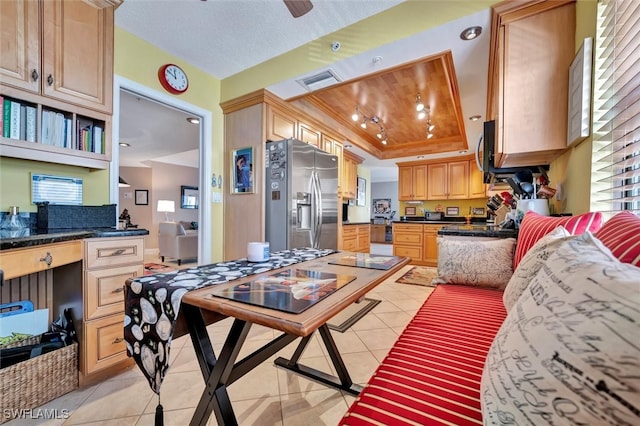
x: 301, y: 196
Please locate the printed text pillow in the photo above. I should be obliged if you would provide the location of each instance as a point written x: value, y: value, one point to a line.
x: 568, y: 352
x: 531, y: 263
x: 476, y: 262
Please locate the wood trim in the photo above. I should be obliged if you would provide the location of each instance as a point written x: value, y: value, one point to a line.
x: 437, y: 161
x: 352, y: 156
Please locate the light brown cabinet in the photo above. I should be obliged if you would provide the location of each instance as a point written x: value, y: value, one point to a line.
x: 279, y: 125
x: 417, y: 241
x: 356, y: 238
x: 378, y: 233
x: 412, y: 182
x: 57, y: 57
x: 448, y: 181
x: 532, y: 47
x: 332, y: 146
x: 350, y: 174
x: 109, y: 262
x: 477, y: 187
x: 308, y: 134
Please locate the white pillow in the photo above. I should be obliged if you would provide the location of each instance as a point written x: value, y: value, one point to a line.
x: 475, y: 262
x: 568, y: 352
x: 531, y: 263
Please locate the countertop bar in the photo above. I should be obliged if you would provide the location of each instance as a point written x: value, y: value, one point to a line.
x: 35, y: 237
x: 477, y: 231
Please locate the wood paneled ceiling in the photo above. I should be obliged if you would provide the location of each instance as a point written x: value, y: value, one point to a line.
x: 391, y: 96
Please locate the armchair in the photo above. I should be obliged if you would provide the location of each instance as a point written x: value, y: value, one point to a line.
x: 176, y: 242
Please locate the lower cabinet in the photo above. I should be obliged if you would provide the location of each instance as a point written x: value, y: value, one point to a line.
x: 356, y: 238
x: 417, y: 241
x: 109, y: 262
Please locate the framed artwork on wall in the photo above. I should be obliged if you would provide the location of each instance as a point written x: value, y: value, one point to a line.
x: 142, y: 197
x: 242, y: 176
x: 189, y: 197
x: 362, y: 192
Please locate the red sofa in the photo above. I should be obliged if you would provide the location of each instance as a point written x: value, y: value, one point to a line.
x: 433, y: 373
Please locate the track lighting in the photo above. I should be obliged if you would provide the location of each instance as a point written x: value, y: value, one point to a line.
x: 382, y: 135
x: 419, y: 104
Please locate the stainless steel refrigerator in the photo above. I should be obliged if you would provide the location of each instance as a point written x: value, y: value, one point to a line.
x: 301, y: 196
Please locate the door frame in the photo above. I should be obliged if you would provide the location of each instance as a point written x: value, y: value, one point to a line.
x: 204, y: 203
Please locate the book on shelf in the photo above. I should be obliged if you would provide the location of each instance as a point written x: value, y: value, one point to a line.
x: 14, y: 126
x: 6, y: 117
x: 98, y: 137
x: 1, y: 115
x: 23, y: 123
x: 30, y: 124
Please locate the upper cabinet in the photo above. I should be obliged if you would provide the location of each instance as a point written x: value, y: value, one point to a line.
x: 308, y: 134
x: 56, y: 81
x: 412, y: 182
x: 279, y: 124
x: 532, y: 47
x: 332, y: 146
x: 350, y: 175
x: 448, y: 181
x: 59, y: 49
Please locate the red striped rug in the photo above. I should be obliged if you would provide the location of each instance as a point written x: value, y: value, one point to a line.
x: 432, y: 374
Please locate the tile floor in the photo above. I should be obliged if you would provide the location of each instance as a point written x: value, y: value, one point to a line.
x: 267, y: 395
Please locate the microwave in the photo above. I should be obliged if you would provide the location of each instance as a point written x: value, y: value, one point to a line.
x: 485, y: 158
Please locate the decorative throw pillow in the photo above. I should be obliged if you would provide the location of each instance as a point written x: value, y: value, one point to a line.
x: 621, y: 235
x: 531, y: 263
x: 568, y: 351
x: 475, y: 262
x: 535, y: 226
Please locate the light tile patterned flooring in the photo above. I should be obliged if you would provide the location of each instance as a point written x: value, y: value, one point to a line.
x: 267, y: 395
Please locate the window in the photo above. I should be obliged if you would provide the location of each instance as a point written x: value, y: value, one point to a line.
x: 616, y: 115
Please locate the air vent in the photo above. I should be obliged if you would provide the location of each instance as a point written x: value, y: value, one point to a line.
x: 320, y: 80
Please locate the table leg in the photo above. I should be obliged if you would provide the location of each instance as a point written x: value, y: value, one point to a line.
x: 342, y: 382
x: 215, y: 372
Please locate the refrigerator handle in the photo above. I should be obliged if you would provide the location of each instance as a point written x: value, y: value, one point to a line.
x: 318, y: 210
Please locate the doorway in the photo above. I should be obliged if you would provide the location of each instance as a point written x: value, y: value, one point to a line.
x: 136, y: 97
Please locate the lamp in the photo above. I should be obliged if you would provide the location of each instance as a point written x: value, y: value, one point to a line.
x: 166, y: 207
x: 122, y: 183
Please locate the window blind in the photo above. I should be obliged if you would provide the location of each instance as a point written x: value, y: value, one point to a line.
x: 616, y: 115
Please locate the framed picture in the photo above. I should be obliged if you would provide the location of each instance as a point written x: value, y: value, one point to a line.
x: 189, y: 197
x: 242, y: 176
x: 477, y: 211
x: 409, y: 211
x: 362, y: 192
x: 142, y: 197
x: 382, y: 206
x: 453, y: 211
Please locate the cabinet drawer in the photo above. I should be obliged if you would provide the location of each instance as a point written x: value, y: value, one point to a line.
x: 406, y: 228
x: 104, y: 343
x: 16, y: 263
x: 402, y: 238
x: 349, y: 231
x: 350, y: 244
x: 104, y: 289
x: 103, y: 252
x: 414, y: 253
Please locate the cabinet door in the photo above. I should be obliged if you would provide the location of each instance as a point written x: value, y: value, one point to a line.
x: 279, y: 125
x: 458, y: 180
x: 430, y: 252
x: 308, y: 134
x: 78, y: 54
x: 334, y: 147
x: 419, y: 182
x: 405, y: 183
x: 350, y: 178
x: 437, y: 181
x: 477, y: 188
x: 20, y: 44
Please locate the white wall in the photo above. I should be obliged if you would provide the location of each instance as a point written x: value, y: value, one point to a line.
x: 386, y: 190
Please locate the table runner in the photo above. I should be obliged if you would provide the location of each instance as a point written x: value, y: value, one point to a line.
x: 152, y: 303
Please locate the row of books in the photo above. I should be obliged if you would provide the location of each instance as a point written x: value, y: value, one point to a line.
x: 19, y: 122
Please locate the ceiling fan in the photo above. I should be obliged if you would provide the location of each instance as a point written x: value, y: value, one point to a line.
x: 298, y: 7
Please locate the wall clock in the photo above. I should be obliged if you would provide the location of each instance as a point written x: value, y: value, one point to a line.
x: 173, y: 79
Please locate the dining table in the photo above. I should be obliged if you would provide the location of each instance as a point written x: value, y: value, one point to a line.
x: 298, y: 299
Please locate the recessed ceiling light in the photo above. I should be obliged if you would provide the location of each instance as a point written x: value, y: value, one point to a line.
x: 470, y: 33
x: 475, y: 117
x: 420, y: 157
x: 376, y: 60
x: 123, y: 144
x: 464, y: 151
x: 193, y: 120
x: 348, y: 146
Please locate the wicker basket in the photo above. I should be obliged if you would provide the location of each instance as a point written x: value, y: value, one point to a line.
x: 32, y: 383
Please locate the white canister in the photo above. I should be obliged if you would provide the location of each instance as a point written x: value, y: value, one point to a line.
x: 257, y: 252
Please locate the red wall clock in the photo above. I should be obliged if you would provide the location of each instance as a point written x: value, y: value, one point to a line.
x: 173, y: 79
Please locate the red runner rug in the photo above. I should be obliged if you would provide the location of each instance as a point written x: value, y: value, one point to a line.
x: 432, y: 374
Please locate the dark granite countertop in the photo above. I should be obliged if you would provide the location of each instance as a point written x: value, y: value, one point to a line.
x: 478, y: 231
x: 426, y: 222
x: 35, y: 237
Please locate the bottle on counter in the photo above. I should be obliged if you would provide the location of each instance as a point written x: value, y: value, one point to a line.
x: 13, y: 221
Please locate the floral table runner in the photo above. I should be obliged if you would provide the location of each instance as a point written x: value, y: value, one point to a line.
x: 152, y: 304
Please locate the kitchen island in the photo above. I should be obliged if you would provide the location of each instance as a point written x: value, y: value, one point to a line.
x: 477, y: 230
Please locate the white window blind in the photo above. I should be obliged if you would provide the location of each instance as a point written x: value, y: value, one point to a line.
x: 616, y: 115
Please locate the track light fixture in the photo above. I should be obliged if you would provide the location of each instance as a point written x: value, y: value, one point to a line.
x: 419, y: 104
x: 375, y: 120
